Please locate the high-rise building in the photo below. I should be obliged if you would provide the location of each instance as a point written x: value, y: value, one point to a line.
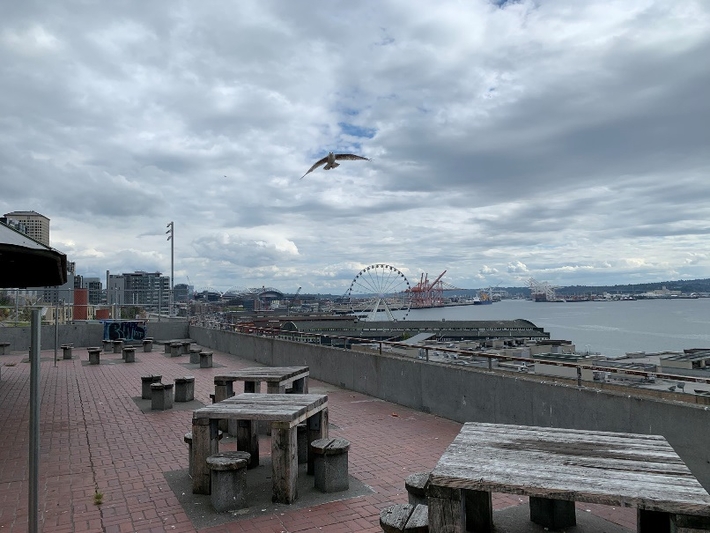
x: 31, y: 223
x: 115, y: 289
x: 146, y: 289
x: 95, y: 288
x: 182, y: 292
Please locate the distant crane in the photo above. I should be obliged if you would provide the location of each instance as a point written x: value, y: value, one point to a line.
x: 541, y: 291
x: 489, y: 295
x: 290, y: 301
x: 430, y: 294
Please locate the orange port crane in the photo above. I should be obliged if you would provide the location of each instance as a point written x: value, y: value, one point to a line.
x: 426, y: 294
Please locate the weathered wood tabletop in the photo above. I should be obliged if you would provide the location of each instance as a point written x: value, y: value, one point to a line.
x: 277, y: 378
x: 621, y: 469
x: 283, y: 411
x: 289, y: 408
x: 550, y: 464
x: 266, y: 373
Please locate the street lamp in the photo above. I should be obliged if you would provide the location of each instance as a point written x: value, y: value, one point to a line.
x: 171, y: 238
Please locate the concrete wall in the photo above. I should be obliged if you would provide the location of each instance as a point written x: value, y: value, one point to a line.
x: 85, y: 334
x: 475, y: 395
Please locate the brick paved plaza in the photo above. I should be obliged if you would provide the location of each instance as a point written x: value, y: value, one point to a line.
x: 98, y: 436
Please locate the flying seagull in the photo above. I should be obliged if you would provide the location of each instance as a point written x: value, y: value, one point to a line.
x: 330, y: 161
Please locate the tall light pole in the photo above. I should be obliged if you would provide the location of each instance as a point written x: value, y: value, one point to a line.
x: 171, y: 238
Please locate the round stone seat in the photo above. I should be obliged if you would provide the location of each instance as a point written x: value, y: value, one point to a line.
x: 185, y: 389
x: 161, y: 396
x: 94, y: 355
x: 205, y: 359
x: 416, y: 485
x: 404, y: 517
x: 330, y: 465
x: 146, y: 382
x: 228, y: 480
x: 129, y: 354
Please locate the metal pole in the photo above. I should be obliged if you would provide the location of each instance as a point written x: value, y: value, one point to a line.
x: 56, y: 332
x: 171, y: 238
x: 35, y: 344
x: 172, y: 268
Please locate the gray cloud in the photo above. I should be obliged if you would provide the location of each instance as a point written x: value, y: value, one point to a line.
x: 508, y: 139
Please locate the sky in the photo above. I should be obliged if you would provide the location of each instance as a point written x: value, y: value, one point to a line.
x: 568, y: 142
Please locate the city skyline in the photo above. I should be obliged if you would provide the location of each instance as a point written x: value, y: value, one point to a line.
x: 508, y: 139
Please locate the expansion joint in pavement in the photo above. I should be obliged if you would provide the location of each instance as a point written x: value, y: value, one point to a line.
x: 91, y: 456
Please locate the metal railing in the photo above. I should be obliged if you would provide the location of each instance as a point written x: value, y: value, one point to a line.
x: 491, y: 359
x: 63, y: 306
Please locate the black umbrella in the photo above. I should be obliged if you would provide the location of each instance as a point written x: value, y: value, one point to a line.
x: 25, y: 262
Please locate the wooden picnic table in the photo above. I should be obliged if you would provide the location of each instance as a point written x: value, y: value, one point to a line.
x: 277, y: 378
x: 283, y: 411
x: 556, y: 467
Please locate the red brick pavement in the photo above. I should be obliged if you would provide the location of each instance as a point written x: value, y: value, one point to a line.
x: 94, y: 438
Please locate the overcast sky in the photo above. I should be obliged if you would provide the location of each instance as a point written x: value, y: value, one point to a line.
x: 564, y: 141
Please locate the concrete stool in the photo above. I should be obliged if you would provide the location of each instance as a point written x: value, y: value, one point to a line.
x: 148, y: 344
x: 405, y: 517
x: 146, y: 382
x: 417, y: 485
x: 166, y: 345
x: 302, y: 443
x: 195, y: 355
x: 129, y: 354
x: 185, y: 389
x: 108, y: 345
x: 118, y: 346
x: 94, y: 356
x: 330, y: 465
x: 161, y: 396
x: 188, y: 439
x: 3, y: 347
x: 186, y: 347
x: 66, y: 351
x: 228, y: 480
x: 205, y: 359
x: 175, y: 349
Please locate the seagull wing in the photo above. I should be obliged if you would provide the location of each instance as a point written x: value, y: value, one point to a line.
x: 317, y: 164
x: 350, y: 156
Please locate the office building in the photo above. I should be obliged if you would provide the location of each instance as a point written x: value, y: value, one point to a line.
x: 95, y: 289
x: 31, y: 223
x: 150, y: 290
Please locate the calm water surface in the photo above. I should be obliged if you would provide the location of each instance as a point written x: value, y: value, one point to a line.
x: 610, y: 328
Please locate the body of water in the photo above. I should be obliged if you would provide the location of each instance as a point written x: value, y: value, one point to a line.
x: 609, y: 328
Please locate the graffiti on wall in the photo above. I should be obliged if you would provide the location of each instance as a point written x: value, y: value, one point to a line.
x: 130, y: 330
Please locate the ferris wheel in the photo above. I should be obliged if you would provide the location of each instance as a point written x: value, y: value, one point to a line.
x: 378, y: 289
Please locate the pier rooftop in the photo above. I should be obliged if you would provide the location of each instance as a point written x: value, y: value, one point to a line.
x: 98, y: 438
